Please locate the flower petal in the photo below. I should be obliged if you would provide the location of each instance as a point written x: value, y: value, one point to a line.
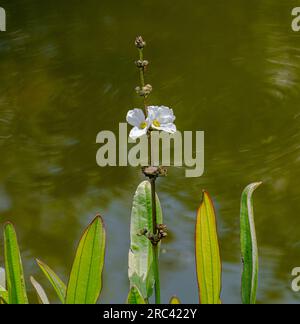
x: 169, y: 128
x: 137, y: 132
x: 152, y: 113
x: 135, y: 117
x: 163, y: 114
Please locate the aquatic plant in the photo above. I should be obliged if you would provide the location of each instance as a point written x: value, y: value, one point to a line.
x: 208, y: 260
x: 146, y: 233
x: 85, y: 281
x: 147, y: 228
x: 249, y: 246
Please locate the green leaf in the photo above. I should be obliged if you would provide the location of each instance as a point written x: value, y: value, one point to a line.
x: 42, y: 297
x: 3, y: 301
x: 208, y: 262
x: 85, y: 282
x: 59, y: 287
x: 15, y: 282
x: 249, y: 246
x: 135, y: 297
x: 3, y: 295
x: 140, y: 272
x: 175, y: 301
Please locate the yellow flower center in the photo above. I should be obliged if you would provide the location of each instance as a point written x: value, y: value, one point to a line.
x: 143, y: 125
x: 156, y: 123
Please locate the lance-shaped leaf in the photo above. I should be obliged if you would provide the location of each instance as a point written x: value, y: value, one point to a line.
x: 42, y: 297
x: 175, y: 301
x: 15, y: 282
x: 208, y: 262
x: 59, y: 287
x: 140, y: 272
x: 249, y: 246
x: 135, y: 297
x: 85, y: 281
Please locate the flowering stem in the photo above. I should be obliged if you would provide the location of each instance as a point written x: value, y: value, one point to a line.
x: 155, y: 245
x: 152, y: 179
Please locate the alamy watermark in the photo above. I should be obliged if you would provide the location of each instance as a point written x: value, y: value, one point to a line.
x: 296, y: 281
x: 2, y: 19
x: 181, y: 149
x: 296, y: 19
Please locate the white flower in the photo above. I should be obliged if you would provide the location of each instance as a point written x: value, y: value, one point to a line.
x: 162, y: 118
x: 137, y: 119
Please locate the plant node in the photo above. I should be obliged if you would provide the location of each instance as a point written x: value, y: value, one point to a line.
x: 154, y: 172
x: 141, y: 64
x: 144, y: 91
x: 161, y: 233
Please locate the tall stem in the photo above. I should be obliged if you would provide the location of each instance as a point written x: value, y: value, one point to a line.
x: 155, y: 247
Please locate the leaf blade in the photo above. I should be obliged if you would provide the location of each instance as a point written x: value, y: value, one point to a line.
x: 58, y: 285
x: 85, y: 283
x: 208, y: 261
x: 42, y: 296
x: 141, y: 253
x: 15, y: 282
x: 135, y: 297
x: 249, y: 247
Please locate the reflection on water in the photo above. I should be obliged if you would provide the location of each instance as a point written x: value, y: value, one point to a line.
x: 229, y: 68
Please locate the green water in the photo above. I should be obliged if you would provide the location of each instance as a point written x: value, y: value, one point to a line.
x: 230, y: 68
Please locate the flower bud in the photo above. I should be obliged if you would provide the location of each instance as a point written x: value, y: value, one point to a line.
x: 145, y: 91
x: 140, y: 43
x: 141, y: 64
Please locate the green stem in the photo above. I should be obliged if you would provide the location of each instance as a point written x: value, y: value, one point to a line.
x: 156, y: 274
x: 155, y: 247
x: 142, y: 80
x: 142, y: 72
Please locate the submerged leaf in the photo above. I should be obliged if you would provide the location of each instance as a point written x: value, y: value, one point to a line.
x: 141, y: 253
x: 85, y: 282
x: 208, y: 260
x: 135, y: 297
x: 42, y: 297
x: 15, y: 282
x: 249, y: 246
x: 59, y: 287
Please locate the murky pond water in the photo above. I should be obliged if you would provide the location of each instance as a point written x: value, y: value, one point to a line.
x: 230, y: 68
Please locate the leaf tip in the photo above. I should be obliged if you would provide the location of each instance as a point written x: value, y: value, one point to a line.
x: 98, y: 218
x: 38, y: 261
x: 206, y: 197
x: 9, y: 224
